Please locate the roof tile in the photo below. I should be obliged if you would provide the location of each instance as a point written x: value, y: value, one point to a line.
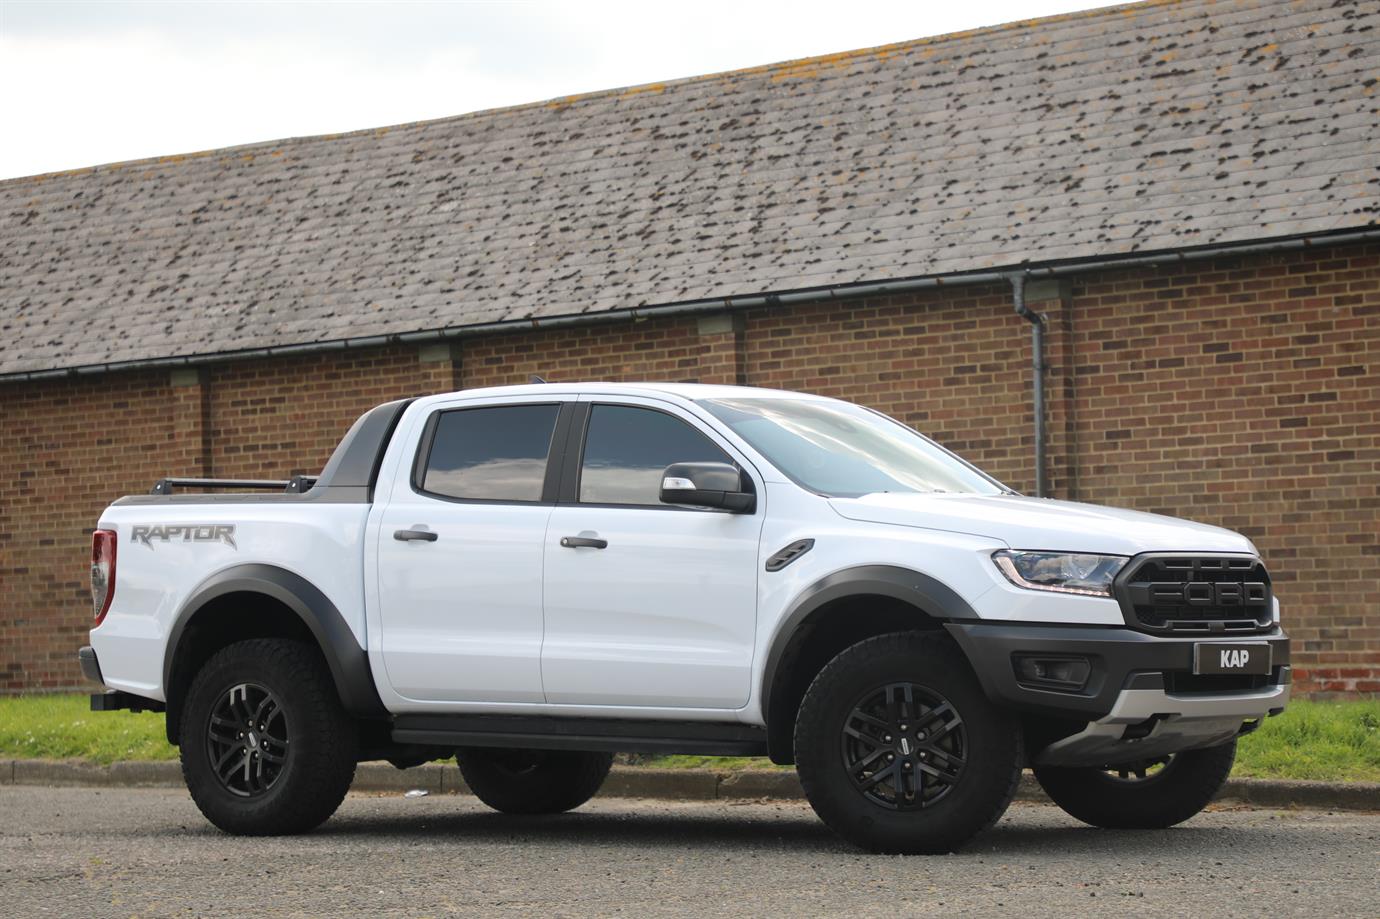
x: 1151, y: 127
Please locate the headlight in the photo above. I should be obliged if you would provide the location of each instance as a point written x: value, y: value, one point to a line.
x: 1061, y: 572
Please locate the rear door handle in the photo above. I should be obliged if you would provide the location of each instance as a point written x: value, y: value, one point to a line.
x: 408, y: 535
x: 583, y: 542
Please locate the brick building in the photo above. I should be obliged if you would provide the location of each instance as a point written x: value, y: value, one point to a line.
x: 1188, y: 192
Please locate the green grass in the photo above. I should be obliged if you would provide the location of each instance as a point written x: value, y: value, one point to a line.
x: 64, y: 727
x: 1332, y: 741
x: 719, y: 763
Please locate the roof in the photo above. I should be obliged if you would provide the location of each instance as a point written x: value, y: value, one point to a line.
x: 1141, y: 128
x: 691, y: 392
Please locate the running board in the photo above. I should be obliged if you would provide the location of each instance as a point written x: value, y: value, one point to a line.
x: 593, y: 734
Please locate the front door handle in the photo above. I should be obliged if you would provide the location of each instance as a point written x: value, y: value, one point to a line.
x: 584, y: 542
x: 409, y: 535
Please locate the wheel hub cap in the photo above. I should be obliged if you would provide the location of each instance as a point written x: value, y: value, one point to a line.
x: 247, y: 739
x: 904, y: 746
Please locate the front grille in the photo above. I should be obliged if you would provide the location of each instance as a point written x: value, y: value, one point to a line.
x: 1204, y: 594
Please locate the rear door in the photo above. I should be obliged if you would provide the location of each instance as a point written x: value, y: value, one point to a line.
x: 460, y: 554
x: 664, y: 614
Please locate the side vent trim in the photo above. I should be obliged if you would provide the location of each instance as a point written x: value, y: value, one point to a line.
x: 789, y: 554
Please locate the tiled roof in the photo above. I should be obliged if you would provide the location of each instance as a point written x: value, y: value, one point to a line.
x: 1142, y: 128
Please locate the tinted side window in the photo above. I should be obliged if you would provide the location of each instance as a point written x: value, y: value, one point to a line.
x: 627, y: 449
x: 497, y: 454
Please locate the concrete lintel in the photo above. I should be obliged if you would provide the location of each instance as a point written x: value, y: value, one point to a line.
x: 1046, y: 289
x: 720, y: 324
x: 439, y: 352
x: 188, y: 376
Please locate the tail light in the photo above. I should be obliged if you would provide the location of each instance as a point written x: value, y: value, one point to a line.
x: 102, y: 572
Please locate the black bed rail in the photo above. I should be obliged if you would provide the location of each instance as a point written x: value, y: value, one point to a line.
x: 294, y: 485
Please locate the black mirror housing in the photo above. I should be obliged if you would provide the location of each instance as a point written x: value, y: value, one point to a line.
x: 718, y: 485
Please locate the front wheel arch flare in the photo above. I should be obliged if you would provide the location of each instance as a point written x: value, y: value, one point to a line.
x: 916, y: 601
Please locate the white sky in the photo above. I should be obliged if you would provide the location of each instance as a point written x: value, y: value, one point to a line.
x: 83, y: 83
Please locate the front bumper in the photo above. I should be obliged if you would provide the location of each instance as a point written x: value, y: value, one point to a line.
x: 1141, y: 699
x: 1149, y: 723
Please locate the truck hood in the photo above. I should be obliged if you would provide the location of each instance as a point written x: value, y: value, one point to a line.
x: 1041, y: 523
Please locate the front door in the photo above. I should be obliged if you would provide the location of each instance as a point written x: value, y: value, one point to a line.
x: 647, y: 604
x: 460, y: 556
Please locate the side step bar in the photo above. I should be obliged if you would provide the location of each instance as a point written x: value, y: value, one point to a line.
x: 593, y: 734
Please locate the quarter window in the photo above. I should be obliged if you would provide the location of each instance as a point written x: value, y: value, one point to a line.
x: 491, y: 454
x: 627, y: 449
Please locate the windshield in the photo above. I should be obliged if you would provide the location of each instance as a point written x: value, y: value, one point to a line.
x: 844, y: 451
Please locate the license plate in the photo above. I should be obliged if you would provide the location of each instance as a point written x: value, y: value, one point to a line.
x: 1237, y: 657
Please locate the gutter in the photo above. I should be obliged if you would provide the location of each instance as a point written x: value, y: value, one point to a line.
x: 700, y: 307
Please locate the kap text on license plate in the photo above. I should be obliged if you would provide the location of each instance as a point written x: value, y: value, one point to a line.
x: 1236, y: 657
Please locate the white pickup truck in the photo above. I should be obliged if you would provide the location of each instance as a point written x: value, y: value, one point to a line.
x: 532, y: 578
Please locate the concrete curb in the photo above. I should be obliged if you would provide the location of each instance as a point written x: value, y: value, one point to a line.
x: 647, y: 782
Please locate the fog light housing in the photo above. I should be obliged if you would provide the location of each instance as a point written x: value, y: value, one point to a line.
x: 1069, y: 674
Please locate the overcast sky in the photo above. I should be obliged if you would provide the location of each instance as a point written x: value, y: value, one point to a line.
x: 83, y: 83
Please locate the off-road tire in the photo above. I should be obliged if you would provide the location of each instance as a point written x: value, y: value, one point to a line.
x: 935, y: 669
x: 533, y: 781
x: 1178, y: 791
x: 321, y: 746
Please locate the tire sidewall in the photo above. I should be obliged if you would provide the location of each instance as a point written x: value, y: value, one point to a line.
x: 992, y: 753
x: 235, y: 813
x: 1186, y: 785
x: 561, y: 780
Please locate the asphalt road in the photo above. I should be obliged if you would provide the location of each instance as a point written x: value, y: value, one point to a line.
x: 90, y: 852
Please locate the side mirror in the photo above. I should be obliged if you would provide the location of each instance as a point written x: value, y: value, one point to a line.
x: 707, y: 485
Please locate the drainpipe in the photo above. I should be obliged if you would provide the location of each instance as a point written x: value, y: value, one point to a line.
x: 1037, y: 356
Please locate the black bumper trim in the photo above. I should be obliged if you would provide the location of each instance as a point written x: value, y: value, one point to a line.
x: 114, y: 700
x: 90, y: 666
x: 1121, y: 658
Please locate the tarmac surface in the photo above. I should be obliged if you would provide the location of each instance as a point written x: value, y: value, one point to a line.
x: 148, y: 852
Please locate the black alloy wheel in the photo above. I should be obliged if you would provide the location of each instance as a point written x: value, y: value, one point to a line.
x: 247, y: 739
x: 1143, y: 771
x: 899, y: 749
x: 904, y: 746
x: 267, y: 747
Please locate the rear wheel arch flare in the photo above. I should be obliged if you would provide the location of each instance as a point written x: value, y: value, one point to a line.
x: 835, y: 612
x: 257, y: 601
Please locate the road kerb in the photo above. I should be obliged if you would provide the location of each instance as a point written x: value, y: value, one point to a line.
x: 648, y: 782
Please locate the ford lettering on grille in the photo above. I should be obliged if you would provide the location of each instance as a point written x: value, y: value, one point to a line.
x: 1202, y: 593
x: 1163, y: 592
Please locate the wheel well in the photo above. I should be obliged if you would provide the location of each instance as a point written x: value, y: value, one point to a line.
x: 223, y: 621
x: 817, y: 640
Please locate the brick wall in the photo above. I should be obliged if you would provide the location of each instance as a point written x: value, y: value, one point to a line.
x: 66, y: 449
x: 274, y: 418
x: 1246, y: 393
x: 1243, y: 393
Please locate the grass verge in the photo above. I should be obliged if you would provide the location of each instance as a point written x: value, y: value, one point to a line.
x: 64, y: 727
x: 1325, y: 741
